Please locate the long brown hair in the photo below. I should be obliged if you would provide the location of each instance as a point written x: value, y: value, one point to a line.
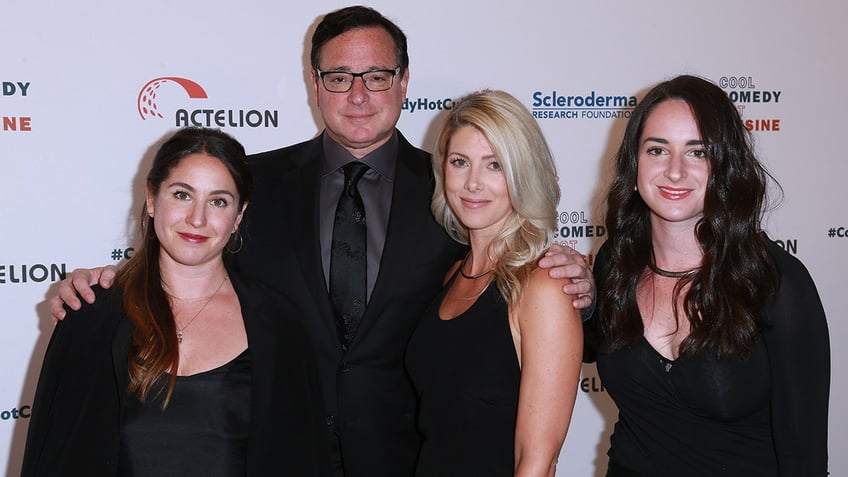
x: 737, y: 277
x: 154, y: 350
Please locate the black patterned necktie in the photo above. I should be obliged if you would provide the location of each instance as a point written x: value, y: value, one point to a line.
x: 348, y: 261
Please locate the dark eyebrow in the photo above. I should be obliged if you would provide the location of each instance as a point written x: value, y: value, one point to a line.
x: 347, y: 69
x: 693, y: 142
x: 181, y: 184
x: 190, y: 188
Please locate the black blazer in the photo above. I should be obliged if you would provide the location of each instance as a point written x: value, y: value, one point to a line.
x: 370, y: 402
x: 75, y: 423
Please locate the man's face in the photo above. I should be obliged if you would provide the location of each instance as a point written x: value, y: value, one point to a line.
x: 360, y: 120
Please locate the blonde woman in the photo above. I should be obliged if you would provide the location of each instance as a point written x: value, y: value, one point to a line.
x: 497, y: 357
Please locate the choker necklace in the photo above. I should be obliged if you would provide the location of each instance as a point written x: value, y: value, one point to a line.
x: 665, y: 273
x: 472, y: 277
x: 205, y: 302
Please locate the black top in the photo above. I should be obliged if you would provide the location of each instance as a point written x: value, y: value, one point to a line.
x: 75, y: 428
x: 202, y: 431
x: 764, y: 415
x: 466, y: 373
x: 370, y: 403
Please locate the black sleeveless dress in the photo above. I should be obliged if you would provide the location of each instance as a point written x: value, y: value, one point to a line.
x: 466, y: 373
x: 203, y: 431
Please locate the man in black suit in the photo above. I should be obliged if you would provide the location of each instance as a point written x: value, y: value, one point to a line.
x: 359, y: 77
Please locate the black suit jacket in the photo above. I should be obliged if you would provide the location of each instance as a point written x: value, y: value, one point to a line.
x: 75, y: 423
x: 370, y: 402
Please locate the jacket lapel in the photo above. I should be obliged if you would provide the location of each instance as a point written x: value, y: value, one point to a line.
x: 303, y: 187
x: 410, y: 202
x: 261, y: 328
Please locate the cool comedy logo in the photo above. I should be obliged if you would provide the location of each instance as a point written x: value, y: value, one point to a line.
x: 173, y: 90
x: 756, y: 105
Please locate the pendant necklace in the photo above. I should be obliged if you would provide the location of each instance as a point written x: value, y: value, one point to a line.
x: 205, y: 302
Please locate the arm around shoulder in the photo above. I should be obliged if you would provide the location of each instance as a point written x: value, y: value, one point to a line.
x: 79, y: 285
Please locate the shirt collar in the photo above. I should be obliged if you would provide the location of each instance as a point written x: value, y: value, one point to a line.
x: 383, y: 159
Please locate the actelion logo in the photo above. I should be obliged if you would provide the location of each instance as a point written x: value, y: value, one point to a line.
x: 592, y: 384
x: 149, y: 108
x: 32, y: 273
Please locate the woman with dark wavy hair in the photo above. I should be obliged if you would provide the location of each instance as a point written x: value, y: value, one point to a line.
x: 710, y: 338
x: 182, y: 368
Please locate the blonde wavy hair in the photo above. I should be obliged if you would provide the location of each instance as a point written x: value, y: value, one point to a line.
x: 531, y: 178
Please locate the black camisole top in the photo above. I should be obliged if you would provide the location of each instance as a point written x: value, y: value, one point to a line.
x: 203, y: 431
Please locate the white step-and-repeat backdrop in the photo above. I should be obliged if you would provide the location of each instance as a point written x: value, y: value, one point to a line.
x: 76, y: 139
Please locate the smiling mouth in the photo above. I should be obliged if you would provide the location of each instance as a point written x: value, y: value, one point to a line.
x: 193, y: 238
x: 474, y: 204
x: 674, y: 193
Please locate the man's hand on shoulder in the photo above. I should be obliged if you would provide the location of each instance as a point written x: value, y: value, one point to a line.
x: 565, y: 262
x: 78, y: 285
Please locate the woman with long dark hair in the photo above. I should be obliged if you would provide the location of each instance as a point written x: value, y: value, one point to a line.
x: 183, y: 368
x: 712, y: 340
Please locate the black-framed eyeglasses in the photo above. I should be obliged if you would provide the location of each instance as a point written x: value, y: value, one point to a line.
x: 342, y: 81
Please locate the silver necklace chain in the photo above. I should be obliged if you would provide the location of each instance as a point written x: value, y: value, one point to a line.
x: 205, y: 302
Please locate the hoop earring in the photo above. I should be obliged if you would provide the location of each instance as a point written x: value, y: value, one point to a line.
x: 235, y: 238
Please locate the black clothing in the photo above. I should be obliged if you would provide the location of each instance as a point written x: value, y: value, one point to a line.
x: 76, y: 422
x: 348, y: 267
x: 764, y: 415
x: 466, y: 373
x: 203, y: 431
x: 376, y: 188
x: 370, y: 402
